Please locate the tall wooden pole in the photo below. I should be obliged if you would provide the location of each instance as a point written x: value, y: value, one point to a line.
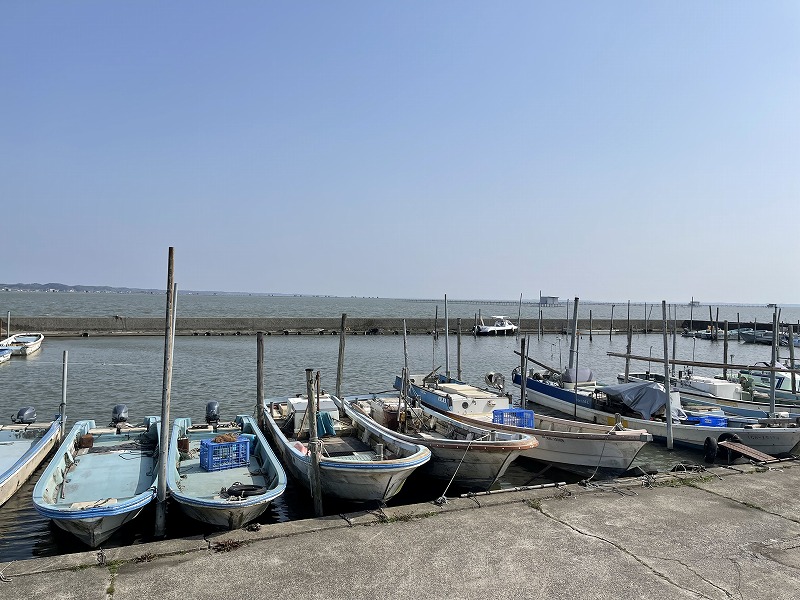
x: 523, y: 387
x: 773, y: 361
x: 260, y: 379
x: 791, y: 358
x: 725, y: 350
x: 62, y: 409
x: 611, y: 327
x: 574, y: 335
x: 169, y: 339
x: 674, y: 335
x: 314, y: 476
x: 519, y: 317
x: 590, y: 325
x: 666, y: 374
x: 340, y: 363
x: 458, y: 348
x: 446, y: 341
x: 628, y: 354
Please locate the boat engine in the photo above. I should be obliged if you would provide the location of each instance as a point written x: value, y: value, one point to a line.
x: 212, y: 413
x: 119, y: 414
x: 25, y: 416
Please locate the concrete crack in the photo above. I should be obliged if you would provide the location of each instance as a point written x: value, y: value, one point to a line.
x: 634, y: 557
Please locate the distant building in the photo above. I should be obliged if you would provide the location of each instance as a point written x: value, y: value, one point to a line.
x: 548, y: 300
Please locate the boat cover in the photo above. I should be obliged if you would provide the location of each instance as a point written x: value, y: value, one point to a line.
x: 646, y: 397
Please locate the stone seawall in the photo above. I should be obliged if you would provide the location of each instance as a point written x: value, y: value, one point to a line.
x: 118, y: 325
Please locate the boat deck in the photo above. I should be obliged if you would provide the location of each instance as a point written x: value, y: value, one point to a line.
x: 94, y: 478
x: 16, y: 440
x: 195, y: 481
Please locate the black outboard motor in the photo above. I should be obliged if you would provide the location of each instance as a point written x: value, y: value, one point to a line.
x: 25, y: 416
x: 119, y: 415
x: 212, y: 413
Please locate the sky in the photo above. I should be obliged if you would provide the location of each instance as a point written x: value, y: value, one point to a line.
x: 608, y: 150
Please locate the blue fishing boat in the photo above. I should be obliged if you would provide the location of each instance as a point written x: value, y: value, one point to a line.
x: 100, y: 477
x: 224, y: 474
x: 23, y: 446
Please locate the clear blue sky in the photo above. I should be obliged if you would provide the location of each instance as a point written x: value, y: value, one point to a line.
x: 607, y: 150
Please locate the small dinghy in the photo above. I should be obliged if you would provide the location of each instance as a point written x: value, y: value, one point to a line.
x: 23, y: 344
x: 224, y: 474
x: 100, y: 477
x: 23, y: 446
x: 5, y: 354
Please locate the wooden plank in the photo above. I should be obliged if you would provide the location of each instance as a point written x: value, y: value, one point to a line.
x: 747, y: 451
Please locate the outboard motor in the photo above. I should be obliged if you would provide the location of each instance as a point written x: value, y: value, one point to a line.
x: 212, y: 413
x: 119, y: 415
x: 25, y: 416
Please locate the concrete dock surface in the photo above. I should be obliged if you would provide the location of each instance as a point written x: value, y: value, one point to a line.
x: 724, y: 533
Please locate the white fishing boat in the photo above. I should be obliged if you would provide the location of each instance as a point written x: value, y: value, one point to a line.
x: 100, y: 477
x: 359, y: 461
x: 23, y: 446
x: 583, y: 448
x: 642, y: 405
x: 224, y: 474
x: 23, y: 344
x: 471, y: 457
x: 713, y: 391
x: 759, y: 381
x: 502, y: 326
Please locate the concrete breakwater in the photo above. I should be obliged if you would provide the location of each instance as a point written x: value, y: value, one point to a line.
x: 121, y: 325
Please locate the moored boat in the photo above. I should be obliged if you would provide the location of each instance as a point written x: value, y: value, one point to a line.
x: 23, y: 446
x: 23, y: 344
x: 471, y: 457
x: 100, y: 477
x: 359, y: 461
x: 224, y: 474
x: 5, y: 354
x: 642, y: 404
x: 502, y: 326
x: 586, y: 449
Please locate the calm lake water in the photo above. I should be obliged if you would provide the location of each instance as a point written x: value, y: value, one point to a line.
x: 104, y: 371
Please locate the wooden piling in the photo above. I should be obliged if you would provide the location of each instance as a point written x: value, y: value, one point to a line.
x: 169, y: 339
x: 260, y: 379
x: 627, y: 356
x: 611, y: 327
x: 725, y: 350
x: 590, y: 325
x: 574, y: 334
x: 340, y: 363
x: 458, y: 349
x: 313, y: 444
x: 62, y: 409
x: 791, y: 357
x: 666, y: 374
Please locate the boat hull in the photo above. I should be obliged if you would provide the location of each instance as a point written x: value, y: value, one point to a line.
x: 197, y: 491
x: 23, y: 344
x: 349, y: 478
x: 772, y: 441
x: 93, y: 493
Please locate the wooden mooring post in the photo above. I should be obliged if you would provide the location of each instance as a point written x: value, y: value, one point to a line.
x: 313, y: 444
x: 260, y: 379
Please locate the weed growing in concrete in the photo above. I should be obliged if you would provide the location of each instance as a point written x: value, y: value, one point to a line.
x: 534, y: 503
x: 226, y: 546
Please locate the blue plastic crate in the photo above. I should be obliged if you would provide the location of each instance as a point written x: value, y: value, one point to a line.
x: 216, y: 456
x: 518, y: 417
x: 713, y: 421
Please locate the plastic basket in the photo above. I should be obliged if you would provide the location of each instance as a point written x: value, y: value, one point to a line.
x: 518, y: 417
x: 225, y: 455
x: 713, y: 421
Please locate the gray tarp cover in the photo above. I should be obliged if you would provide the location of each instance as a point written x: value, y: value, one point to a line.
x: 646, y: 397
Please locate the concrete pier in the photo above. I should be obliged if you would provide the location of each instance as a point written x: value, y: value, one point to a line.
x: 730, y: 532
x: 122, y: 325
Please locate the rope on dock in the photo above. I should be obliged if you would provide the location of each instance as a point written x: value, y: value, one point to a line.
x: 3, y: 577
